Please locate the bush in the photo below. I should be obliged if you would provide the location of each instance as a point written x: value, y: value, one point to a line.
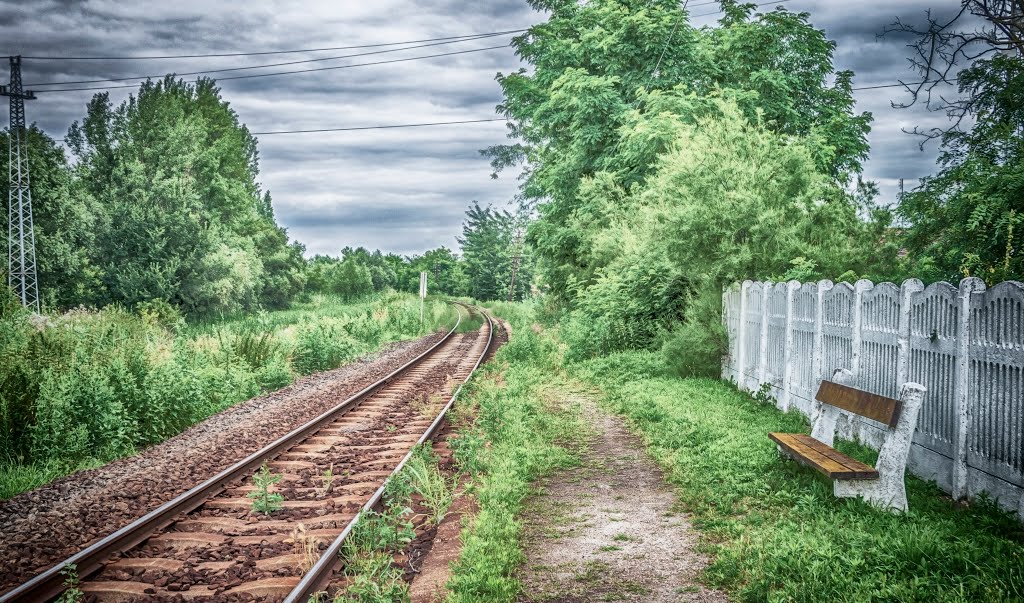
x: 323, y: 344
x: 694, y: 348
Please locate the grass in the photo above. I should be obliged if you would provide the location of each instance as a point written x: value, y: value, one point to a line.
x: 510, y: 436
x: 87, y: 387
x: 775, y: 530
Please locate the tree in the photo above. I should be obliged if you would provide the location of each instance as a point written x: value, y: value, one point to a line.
x: 351, y: 280
x: 967, y: 220
x: 596, y: 66
x: 978, y: 30
x: 184, y: 217
x: 488, y: 246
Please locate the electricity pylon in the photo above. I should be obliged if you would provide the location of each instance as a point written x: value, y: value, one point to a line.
x: 21, y: 240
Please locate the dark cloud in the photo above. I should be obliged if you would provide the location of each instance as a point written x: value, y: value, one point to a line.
x: 400, y: 190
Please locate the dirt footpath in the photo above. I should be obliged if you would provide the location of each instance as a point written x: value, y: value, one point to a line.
x: 608, y: 530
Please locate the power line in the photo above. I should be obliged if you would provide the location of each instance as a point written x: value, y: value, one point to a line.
x: 720, y: 10
x: 386, y: 127
x: 379, y: 127
x: 255, y: 75
x: 266, y: 52
x: 227, y: 69
x: 902, y: 84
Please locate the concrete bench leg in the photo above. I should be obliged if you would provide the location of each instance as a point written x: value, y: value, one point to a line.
x: 889, y: 490
x: 883, y: 493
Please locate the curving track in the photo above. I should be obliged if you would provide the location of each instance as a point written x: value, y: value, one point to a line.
x: 209, y: 545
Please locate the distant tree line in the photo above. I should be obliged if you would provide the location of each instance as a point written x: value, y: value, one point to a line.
x: 159, y: 203
x: 489, y: 246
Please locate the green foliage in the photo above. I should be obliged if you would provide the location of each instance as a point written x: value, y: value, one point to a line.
x: 968, y: 220
x: 425, y: 478
x: 591, y: 120
x: 71, y: 594
x: 774, y: 528
x: 161, y: 205
x: 489, y: 243
x: 736, y: 160
x: 369, y: 550
x: 322, y: 344
x: 373, y: 579
x: 263, y: 500
x: 728, y: 200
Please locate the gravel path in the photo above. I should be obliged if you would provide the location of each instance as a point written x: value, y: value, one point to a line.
x: 608, y: 530
x: 43, y: 526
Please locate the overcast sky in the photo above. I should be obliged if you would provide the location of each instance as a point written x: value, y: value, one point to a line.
x: 401, y: 190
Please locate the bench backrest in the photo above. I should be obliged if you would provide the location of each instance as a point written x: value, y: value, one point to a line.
x: 866, y: 404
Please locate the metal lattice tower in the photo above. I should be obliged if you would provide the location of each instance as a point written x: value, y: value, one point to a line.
x: 21, y: 240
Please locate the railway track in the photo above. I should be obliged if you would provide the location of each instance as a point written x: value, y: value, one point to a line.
x: 209, y: 543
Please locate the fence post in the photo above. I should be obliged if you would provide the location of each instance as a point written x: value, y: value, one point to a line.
x: 789, y: 362
x: 857, y: 334
x: 762, y: 358
x: 968, y: 287
x: 908, y: 290
x: 854, y: 424
x: 741, y: 369
x: 725, y: 324
x: 824, y: 286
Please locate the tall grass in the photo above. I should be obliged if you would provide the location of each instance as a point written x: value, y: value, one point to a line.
x: 86, y: 387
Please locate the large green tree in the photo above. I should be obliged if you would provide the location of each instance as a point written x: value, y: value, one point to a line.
x: 595, y: 66
x: 184, y: 219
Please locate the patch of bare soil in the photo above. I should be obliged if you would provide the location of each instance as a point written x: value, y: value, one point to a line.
x: 428, y: 584
x: 609, y: 530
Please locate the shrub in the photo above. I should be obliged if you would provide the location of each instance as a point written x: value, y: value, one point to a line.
x: 323, y: 344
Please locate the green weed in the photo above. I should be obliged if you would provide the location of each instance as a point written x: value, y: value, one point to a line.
x: 71, y: 594
x: 86, y: 387
x: 263, y: 500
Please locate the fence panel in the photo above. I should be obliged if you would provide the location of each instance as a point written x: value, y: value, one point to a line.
x: 752, y: 332
x: 775, y: 297
x: 805, y: 309
x: 996, y: 392
x: 837, y: 329
x: 731, y: 319
x: 934, y: 320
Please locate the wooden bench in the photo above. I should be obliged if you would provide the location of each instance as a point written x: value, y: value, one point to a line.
x: 881, y: 485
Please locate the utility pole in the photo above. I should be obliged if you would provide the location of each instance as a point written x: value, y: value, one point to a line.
x: 21, y: 240
x: 516, y: 259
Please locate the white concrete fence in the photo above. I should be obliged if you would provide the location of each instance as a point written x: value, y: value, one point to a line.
x: 965, y: 345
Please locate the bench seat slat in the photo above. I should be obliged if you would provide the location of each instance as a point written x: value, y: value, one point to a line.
x: 822, y: 457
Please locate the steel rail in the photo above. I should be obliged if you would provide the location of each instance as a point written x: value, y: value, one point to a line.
x: 318, y: 577
x: 50, y: 583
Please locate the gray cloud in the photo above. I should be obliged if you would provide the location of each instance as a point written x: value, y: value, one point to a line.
x: 399, y: 190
